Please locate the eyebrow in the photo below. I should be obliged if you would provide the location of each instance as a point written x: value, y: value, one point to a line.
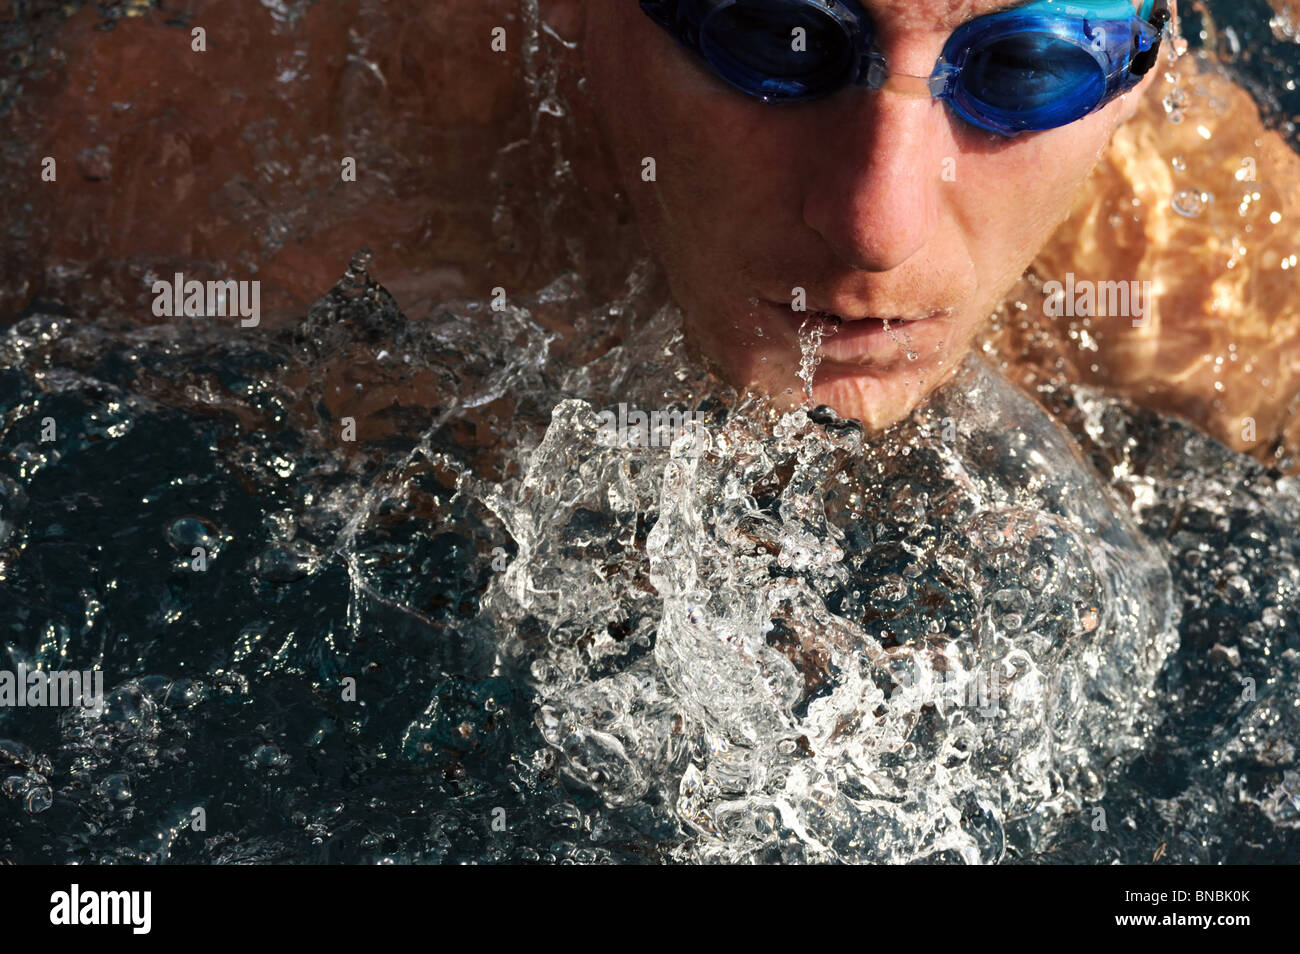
x: 1000, y: 8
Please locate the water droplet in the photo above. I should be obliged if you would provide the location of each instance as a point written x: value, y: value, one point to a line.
x: 1190, y: 202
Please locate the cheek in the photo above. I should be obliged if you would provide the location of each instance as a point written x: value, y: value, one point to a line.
x: 717, y: 157
x: 1014, y: 198
x: 724, y: 176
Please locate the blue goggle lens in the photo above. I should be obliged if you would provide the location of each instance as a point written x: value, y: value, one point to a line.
x: 756, y: 46
x: 1031, y: 80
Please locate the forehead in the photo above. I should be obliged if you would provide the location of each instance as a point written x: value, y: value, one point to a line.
x: 933, y: 14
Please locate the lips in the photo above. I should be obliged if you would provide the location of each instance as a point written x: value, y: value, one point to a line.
x: 893, y: 319
x: 875, y: 340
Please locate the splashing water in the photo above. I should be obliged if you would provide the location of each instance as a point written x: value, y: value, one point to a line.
x: 808, y: 620
x: 811, y: 333
x: 903, y: 341
x: 770, y: 638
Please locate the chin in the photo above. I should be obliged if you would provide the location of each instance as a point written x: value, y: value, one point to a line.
x: 873, y: 381
x: 878, y: 397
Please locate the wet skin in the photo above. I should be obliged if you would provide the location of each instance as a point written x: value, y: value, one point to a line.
x: 878, y: 205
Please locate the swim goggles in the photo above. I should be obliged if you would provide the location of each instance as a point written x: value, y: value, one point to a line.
x: 1038, y: 66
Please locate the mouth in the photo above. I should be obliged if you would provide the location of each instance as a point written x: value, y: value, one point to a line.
x: 869, y: 339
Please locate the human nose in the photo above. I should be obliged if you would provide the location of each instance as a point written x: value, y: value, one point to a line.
x: 875, y: 199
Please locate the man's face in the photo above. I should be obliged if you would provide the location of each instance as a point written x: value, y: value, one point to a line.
x: 878, y: 205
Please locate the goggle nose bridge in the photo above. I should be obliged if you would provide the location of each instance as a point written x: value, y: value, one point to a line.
x: 873, y: 72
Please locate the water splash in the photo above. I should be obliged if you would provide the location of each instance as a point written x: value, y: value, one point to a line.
x: 806, y: 615
x: 903, y: 340
x: 811, y: 332
x: 945, y: 643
